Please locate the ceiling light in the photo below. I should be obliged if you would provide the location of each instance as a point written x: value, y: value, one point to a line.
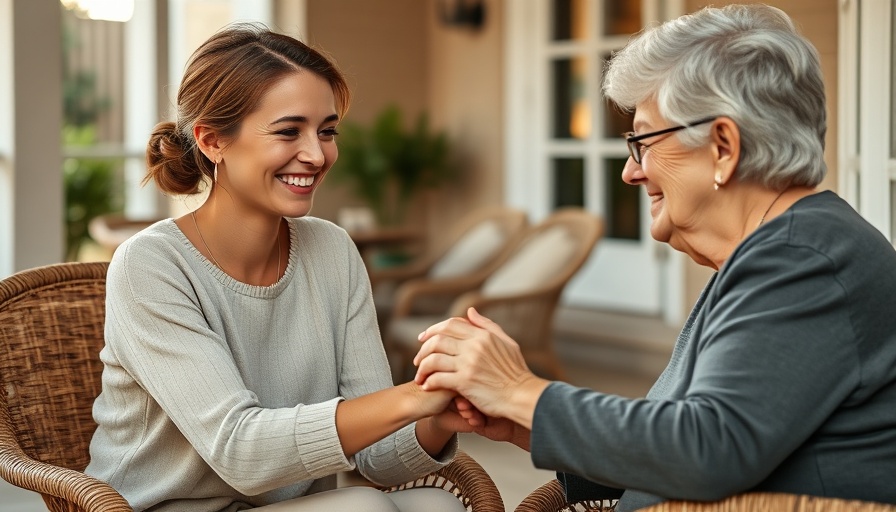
x: 108, y: 10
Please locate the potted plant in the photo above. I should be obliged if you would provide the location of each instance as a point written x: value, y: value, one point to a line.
x: 386, y: 165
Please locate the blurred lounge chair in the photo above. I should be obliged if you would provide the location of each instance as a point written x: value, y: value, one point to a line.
x: 467, y: 252
x: 520, y: 292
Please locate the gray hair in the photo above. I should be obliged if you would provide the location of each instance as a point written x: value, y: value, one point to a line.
x: 745, y: 62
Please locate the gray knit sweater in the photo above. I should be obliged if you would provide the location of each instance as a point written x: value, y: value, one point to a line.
x: 221, y: 396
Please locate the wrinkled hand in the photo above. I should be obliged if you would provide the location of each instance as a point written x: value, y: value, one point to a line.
x: 478, y: 360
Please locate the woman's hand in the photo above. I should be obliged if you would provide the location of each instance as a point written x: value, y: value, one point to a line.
x: 451, y: 419
x: 477, y: 359
x: 438, y: 419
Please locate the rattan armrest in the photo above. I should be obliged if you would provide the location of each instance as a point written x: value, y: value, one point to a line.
x: 399, y: 273
x: 416, y: 289
x: 475, y: 299
x: 464, y: 478
x: 550, y: 497
x: 62, y: 488
x: 772, y: 502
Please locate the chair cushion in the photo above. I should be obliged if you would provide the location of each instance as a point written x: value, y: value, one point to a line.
x: 539, y: 260
x: 404, y: 331
x: 474, y: 250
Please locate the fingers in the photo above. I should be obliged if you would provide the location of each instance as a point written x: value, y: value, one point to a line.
x: 440, y: 380
x: 452, y: 326
x: 434, y: 363
x: 478, y: 320
x: 445, y: 336
x: 462, y: 404
x: 436, y: 345
x: 474, y: 417
x: 468, y: 411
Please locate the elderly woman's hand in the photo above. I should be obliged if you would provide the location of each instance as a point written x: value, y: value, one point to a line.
x: 477, y: 359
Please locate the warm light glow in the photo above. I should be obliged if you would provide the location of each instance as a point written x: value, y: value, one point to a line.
x: 108, y: 10
x: 580, y: 124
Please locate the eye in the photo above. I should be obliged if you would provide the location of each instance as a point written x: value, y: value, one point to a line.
x: 328, y: 133
x: 288, y: 132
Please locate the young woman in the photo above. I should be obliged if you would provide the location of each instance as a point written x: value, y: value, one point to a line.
x: 243, y: 365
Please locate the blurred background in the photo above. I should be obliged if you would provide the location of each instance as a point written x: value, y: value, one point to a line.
x: 503, y: 94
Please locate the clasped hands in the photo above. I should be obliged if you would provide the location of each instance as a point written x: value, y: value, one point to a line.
x: 475, y: 358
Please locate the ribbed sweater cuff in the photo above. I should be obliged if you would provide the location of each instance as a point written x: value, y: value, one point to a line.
x: 415, y: 457
x: 316, y: 434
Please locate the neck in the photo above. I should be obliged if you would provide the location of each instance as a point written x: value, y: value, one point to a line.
x: 769, y: 209
x: 250, y: 251
x: 735, y: 217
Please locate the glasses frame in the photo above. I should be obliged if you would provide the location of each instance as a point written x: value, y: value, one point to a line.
x: 633, y: 141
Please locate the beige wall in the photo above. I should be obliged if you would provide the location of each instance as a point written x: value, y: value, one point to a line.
x: 398, y: 51
x: 381, y: 47
x: 466, y: 94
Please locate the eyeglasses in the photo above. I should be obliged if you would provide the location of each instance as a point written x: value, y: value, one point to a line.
x: 635, y: 146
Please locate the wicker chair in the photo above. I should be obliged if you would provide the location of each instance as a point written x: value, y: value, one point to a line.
x: 551, y: 498
x: 51, y: 332
x: 520, y: 291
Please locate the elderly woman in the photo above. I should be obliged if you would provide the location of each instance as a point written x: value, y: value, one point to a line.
x: 784, y: 376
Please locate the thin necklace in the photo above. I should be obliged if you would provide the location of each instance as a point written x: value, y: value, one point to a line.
x: 760, y: 220
x: 210, y: 253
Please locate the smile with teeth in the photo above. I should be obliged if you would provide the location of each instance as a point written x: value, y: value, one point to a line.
x: 298, y: 181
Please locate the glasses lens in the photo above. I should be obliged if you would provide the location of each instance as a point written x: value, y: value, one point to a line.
x: 634, y: 149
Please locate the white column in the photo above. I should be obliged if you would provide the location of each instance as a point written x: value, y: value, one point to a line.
x: 31, y: 186
x: 874, y: 113
x: 259, y: 10
x: 6, y: 139
x: 141, y: 101
x: 292, y: 18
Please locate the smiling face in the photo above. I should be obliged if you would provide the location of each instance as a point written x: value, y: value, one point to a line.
x: 283, y: 149
x: 678, y: 180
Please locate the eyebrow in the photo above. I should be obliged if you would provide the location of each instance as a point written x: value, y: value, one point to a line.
x: 639, y: 125
x: 303, y: 119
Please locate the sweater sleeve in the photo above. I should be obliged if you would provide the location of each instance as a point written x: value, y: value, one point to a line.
x: 773, y: 359
x: 398, y: 458
x: 157, y: 332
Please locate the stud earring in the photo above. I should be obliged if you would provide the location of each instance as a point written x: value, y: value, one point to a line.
x: 718, y: 181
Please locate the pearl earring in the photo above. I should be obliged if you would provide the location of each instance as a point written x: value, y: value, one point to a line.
x: 718, y: 181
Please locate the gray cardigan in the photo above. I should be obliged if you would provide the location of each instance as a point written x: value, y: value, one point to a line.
x: 783, y: 379
x: 218, y: 395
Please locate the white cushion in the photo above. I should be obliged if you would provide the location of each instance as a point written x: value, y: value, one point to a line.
x: 404, y: 331
x: 473, y: 251
x: 536, y: 263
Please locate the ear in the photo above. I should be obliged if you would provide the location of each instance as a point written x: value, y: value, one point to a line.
x: 209, y: 141
x: 725, y: 138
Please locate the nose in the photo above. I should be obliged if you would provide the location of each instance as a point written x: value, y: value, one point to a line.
x: 633, y: 173
x: 310, y: 152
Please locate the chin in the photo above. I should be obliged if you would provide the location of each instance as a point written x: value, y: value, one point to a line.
x: 660, y: 233
x: 297, y: 210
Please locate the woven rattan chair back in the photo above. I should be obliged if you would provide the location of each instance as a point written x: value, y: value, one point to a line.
x: 51, y: 330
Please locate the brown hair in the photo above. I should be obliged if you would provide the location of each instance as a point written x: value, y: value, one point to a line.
x: 224, y: 81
